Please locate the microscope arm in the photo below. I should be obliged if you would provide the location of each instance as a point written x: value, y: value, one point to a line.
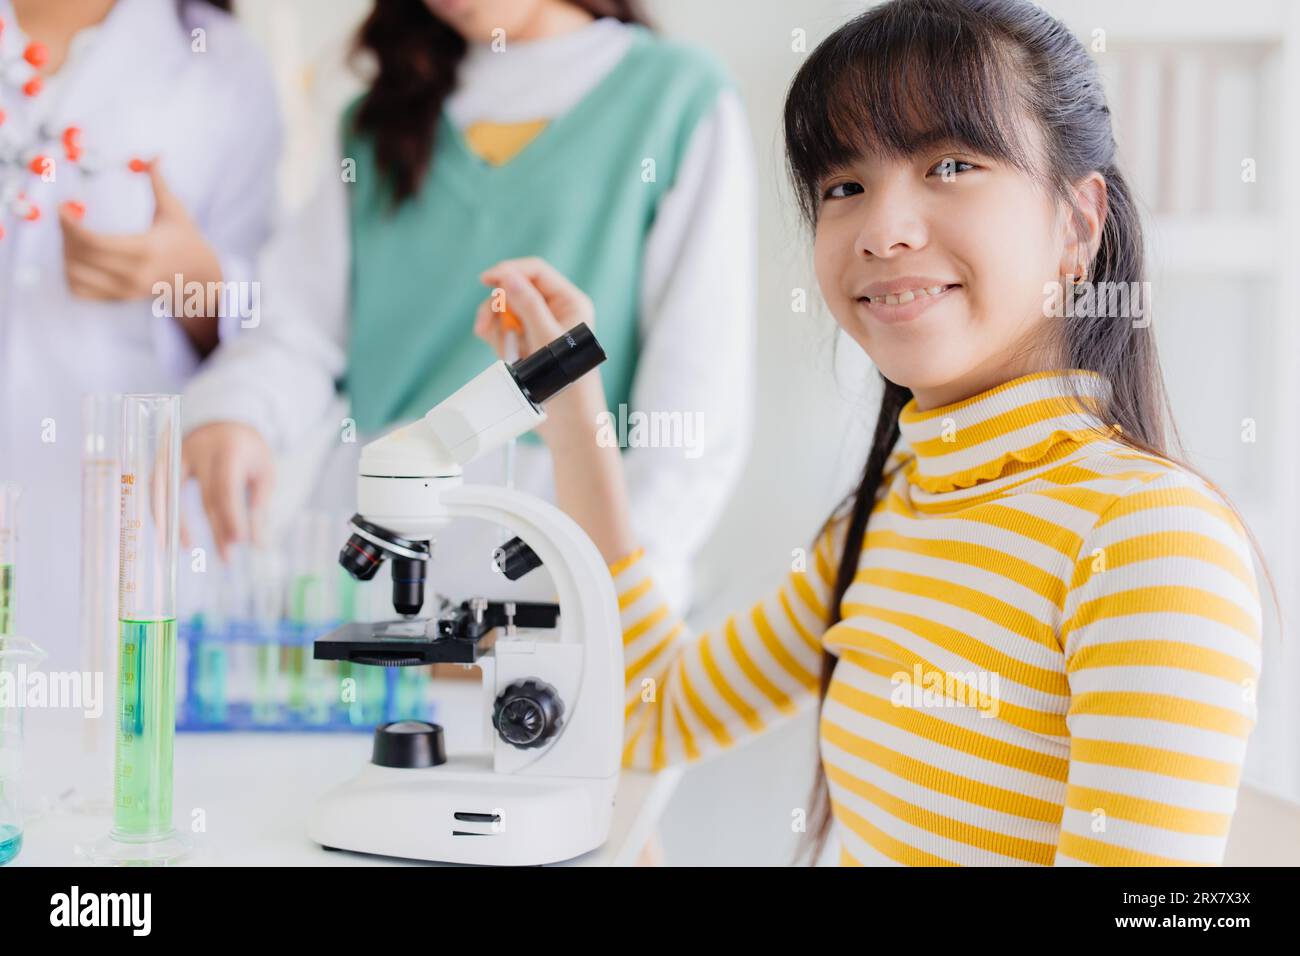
x: 500, y: 403
x: 589, y: 618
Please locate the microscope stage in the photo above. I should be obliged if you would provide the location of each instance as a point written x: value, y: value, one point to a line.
x: 393, y: 644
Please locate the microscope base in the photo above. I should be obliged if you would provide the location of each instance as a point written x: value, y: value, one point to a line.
x: 462, y: 812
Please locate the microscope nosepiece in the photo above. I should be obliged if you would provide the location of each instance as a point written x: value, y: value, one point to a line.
x: 370, y: 544
x: 558, y: 364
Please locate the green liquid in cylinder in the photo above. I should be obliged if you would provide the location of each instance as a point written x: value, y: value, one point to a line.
x: 8, y: 845
x: 146, y: 729
x: 6, y: 599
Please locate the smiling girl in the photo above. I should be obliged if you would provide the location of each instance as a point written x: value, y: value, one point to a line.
x: 1034, y: 637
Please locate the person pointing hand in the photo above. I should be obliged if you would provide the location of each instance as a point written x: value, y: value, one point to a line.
x: 590, y: 485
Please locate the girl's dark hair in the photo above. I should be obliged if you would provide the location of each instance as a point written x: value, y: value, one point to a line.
x: 417, y: 56
x: 910, y: 73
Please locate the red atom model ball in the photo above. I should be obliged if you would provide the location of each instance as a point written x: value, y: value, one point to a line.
x: 36, y: 54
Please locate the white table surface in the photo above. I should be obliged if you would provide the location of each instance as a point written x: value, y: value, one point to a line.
x: 256, y: 789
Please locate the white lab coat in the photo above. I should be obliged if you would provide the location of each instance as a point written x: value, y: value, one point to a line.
x: 137, y: 87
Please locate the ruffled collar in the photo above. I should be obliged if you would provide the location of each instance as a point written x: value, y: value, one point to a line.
x: 959, y: 445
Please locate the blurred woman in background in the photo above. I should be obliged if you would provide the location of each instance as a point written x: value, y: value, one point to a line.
x: 491, y: 130
x: 143, y: 138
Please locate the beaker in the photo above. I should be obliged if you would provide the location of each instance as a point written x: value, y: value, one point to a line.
x: 16, y: 655
x: 145, y: 718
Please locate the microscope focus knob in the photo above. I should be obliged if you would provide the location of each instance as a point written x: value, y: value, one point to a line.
x: 528, y: 713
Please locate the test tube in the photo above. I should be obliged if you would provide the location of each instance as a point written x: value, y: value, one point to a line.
x: 101, y: 419
x: 369, y: 690
x: 211, y: 654
x: 345, y: 675
x: 145, y: 720
x: 231, y: 676
x: 11, y: 829
x: 312, y: 609
x: 268, y: 612
x: 412, y: 692
x: 9, y: 494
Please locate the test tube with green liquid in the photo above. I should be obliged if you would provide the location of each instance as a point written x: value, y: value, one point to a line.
x: 268, y: 611
x: 306, y: 600
x: 8, y: 546
x: 347, y: 586
x: 313, y: 609
x: 145, y: 719
x: 369, y: 683
x: 11, y: 832
x: 309, y: 691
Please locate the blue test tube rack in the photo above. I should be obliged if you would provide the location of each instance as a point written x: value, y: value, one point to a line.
x: 243, y: 677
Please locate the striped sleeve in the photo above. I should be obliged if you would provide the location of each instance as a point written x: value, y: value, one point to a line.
x: 1162, y: 640
x: 689, y: 695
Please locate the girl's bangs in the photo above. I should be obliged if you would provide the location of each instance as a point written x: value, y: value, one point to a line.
x: 901, y: 79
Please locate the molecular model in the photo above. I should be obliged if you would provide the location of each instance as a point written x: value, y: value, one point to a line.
x: 34, y: 157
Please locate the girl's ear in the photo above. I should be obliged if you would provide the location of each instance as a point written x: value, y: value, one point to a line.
x: 1084, y: 225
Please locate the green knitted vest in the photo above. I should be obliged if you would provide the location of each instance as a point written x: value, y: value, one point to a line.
x: 582, y: 195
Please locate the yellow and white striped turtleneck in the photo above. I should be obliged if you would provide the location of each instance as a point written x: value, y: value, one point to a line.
x: 1048, y: 654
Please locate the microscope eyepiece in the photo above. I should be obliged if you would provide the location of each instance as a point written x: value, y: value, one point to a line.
x: 558, y: 364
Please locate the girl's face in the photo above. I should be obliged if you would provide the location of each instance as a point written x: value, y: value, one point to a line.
x: 476, y: 20
x: 935, y: 265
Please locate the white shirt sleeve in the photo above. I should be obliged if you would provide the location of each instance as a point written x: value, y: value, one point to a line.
x: 697, y: 343
x: 279, y: 374
x: 238, y: 219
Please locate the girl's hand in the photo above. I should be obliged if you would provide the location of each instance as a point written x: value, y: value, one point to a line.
x: 541, y: 304
x: 589, y: 483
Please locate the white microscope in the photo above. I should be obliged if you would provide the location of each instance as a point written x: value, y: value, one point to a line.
x: 552, y: 679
